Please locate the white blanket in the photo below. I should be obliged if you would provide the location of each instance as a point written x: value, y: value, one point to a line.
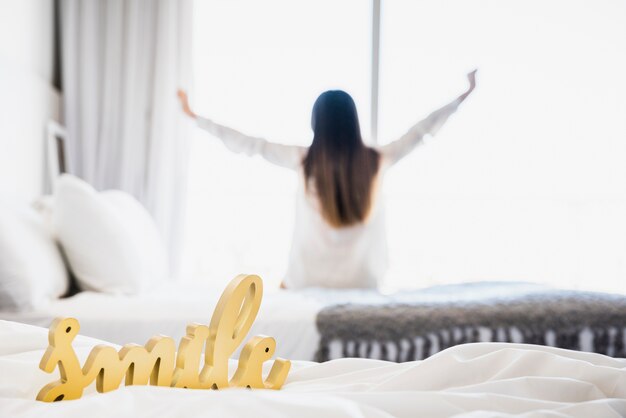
x: 472, y: 380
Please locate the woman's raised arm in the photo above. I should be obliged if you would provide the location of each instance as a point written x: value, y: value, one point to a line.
x: 289, y: 156
x: 399, y: 148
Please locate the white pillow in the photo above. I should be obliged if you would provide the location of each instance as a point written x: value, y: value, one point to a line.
x: 110, y: 240
x: 32, y: 270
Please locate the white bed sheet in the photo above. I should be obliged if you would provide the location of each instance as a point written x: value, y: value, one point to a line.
x: 289, y: 317
x: 471, y: 380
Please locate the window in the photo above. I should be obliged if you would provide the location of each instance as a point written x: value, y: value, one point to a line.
x: 526, y: 182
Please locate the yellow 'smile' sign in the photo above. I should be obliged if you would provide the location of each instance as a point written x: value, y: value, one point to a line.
x: 157, y: 363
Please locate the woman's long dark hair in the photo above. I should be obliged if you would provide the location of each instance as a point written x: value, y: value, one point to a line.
x: 340, y: 166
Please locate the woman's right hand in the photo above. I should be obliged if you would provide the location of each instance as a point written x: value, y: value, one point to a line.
x: 471, y: 78
x: 184, y: 101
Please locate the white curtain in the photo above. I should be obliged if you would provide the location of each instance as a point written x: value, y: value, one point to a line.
x: 122, y: 61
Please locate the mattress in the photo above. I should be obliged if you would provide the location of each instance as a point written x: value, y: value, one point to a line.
x: 287, y: 316
x: 470, y: 380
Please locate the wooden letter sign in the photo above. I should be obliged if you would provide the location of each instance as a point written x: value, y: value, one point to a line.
x: 157, y: 363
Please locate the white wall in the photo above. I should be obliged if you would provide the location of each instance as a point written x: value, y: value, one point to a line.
x: 28, y: 99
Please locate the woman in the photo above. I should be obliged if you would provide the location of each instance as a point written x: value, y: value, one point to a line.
x: 339, y: 234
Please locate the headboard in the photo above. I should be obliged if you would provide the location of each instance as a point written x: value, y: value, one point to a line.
x: 56, y: 155
x: 27, y: 104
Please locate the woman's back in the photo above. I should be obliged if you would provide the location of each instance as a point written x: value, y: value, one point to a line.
x: 323, y: 255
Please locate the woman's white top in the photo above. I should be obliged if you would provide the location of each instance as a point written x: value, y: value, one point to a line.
x: 322, y: 255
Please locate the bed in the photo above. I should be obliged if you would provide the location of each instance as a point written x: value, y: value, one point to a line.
x: 471, y: 380
x: 111, y: 245
x: 325, y: 324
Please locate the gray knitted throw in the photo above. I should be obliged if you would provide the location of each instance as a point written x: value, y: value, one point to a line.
x: 413, y: 326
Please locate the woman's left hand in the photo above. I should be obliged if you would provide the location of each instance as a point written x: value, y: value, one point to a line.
x: 184, y: 101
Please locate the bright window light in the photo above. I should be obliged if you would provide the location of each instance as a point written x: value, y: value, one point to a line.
x: 258, y: 67
x: 528, y: 180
